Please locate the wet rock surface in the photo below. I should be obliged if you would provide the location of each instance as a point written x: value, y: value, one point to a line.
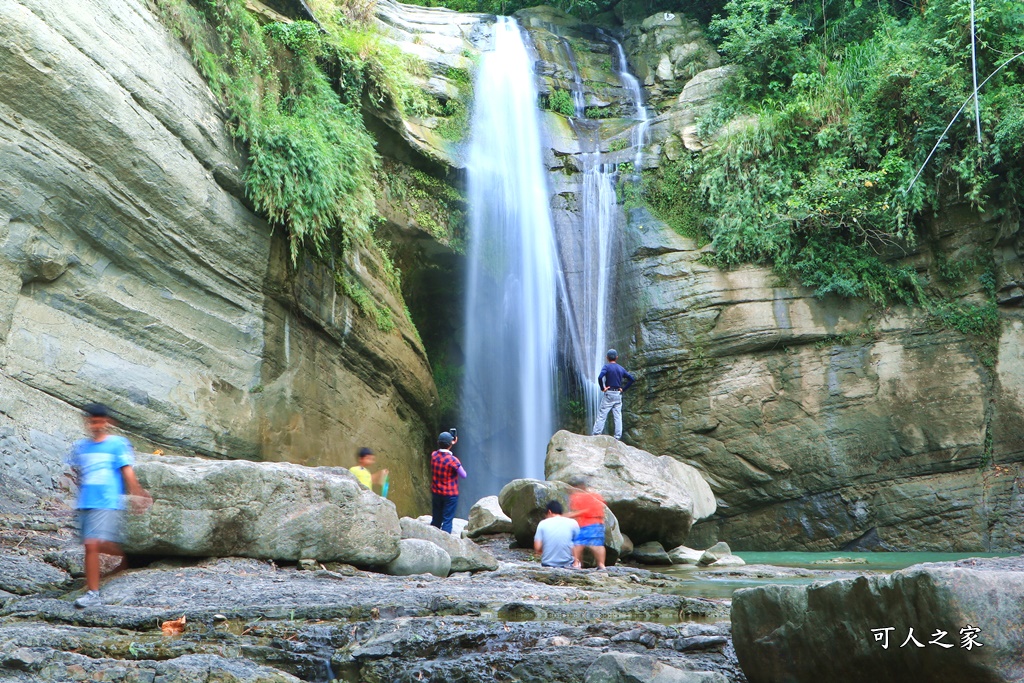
x: 860, y: 629
x: 254, y: 620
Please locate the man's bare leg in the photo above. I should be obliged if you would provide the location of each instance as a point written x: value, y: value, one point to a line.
x: 93, y: 549
x: 599, y: 554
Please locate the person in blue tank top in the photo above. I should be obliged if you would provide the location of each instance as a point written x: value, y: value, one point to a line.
x: 613, y: 380
x: 103, y: 468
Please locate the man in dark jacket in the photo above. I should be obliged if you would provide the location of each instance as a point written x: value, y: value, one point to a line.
x: 613, y: 380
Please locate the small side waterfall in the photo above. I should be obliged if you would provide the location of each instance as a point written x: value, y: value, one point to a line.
x: 592, y: 282
x: 636, y: 94
x: 512, y: 293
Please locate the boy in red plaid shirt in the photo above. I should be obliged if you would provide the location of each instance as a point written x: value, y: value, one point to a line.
x: 445, y: 472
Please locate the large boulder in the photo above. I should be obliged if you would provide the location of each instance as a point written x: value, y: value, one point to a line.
x: 684, y: 555
x: 857, y: 629
x: 466, y: 556
x: 654, y: 498
x: 458, y: 525
x: 266, y: 510
x: 715, y: 553
x: 417, y: 556
x: 619, y: 667
x: 525, y: 502
x: 650, y: 553
x: 486, y: 517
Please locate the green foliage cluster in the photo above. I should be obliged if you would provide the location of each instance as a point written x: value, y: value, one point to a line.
x: 560, y: 102
x: 455, y: 111
x: 293, y: 92
x: 618, y: 144
x: 361, y: 297
x: 432, y: 203
x: 833, y: 110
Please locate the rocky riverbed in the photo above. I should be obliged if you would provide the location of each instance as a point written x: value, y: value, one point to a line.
x: 254, y: 620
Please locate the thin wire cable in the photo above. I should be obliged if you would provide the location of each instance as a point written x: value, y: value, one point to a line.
x: 955, y: 117
x: 974, y: 72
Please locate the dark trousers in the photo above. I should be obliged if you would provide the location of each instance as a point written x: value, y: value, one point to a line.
x: 443, y: 510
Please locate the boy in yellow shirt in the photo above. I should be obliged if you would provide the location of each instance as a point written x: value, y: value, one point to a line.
x: 362, y: 470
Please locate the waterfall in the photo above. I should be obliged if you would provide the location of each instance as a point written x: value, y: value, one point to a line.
x: 513, y: 281
x: 639, y: 134
x: 591, y: 280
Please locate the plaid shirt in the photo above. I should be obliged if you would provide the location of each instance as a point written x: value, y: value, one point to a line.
x: 444, y: 473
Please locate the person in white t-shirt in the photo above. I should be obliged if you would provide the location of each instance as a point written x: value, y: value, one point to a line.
x: 554, y: 538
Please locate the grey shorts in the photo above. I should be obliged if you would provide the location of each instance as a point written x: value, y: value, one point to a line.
x: 100, y: 525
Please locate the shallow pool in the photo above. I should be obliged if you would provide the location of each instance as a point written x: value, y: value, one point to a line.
x: 711, y: 583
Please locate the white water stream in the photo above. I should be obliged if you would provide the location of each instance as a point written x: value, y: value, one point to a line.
x: 512, y: 288
x: 591, y: 288
x: 516, y: 289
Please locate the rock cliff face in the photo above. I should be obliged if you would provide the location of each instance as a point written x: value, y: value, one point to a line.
x: 819, y: 423
x: 822, y: 423
x: 133, y: 272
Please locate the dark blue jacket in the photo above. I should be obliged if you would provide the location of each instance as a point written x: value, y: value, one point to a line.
x: 612, y: 376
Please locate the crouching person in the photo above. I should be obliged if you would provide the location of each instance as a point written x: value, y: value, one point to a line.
x: 555, y: 536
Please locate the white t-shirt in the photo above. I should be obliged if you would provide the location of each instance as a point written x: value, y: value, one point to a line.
x: 556, y: 535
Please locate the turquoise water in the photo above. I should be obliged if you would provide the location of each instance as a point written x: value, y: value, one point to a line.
x: 705, y: 583
x: 883, y: 562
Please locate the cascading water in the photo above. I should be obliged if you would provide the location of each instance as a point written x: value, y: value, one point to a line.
x: 512, y: 294
x: 639, y: 133
x: 591, y: 283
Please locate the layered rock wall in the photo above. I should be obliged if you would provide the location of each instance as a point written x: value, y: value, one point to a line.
x: 133, y: 272
x: 826, y: 423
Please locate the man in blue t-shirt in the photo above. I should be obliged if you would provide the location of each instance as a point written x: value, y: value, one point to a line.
x: 613, y: 380
x: 103, y: 467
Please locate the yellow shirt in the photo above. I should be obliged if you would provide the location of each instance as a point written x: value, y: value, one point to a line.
x: 363, y: 475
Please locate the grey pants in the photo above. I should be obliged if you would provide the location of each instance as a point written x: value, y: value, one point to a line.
x: 612, y: 400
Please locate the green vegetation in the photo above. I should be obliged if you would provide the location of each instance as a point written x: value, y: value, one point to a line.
x: 293, y: 92
x: 560, y: 102
x: 361, y: 297
x: 433, y: 204
x: 834, y: 108
x: 455, y: 111
x: 448, y: 379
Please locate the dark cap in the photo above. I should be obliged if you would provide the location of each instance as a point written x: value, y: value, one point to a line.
x: 96, y: 410
x: 363, y: 452
x: 445, y: 439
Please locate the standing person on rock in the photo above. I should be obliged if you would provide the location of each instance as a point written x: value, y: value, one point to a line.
x: 362, y: 472
x: 613, y: 380
x: 554, y: 538
x: 587, y: 508
x: 445, y: 472
x: 103, y: 468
